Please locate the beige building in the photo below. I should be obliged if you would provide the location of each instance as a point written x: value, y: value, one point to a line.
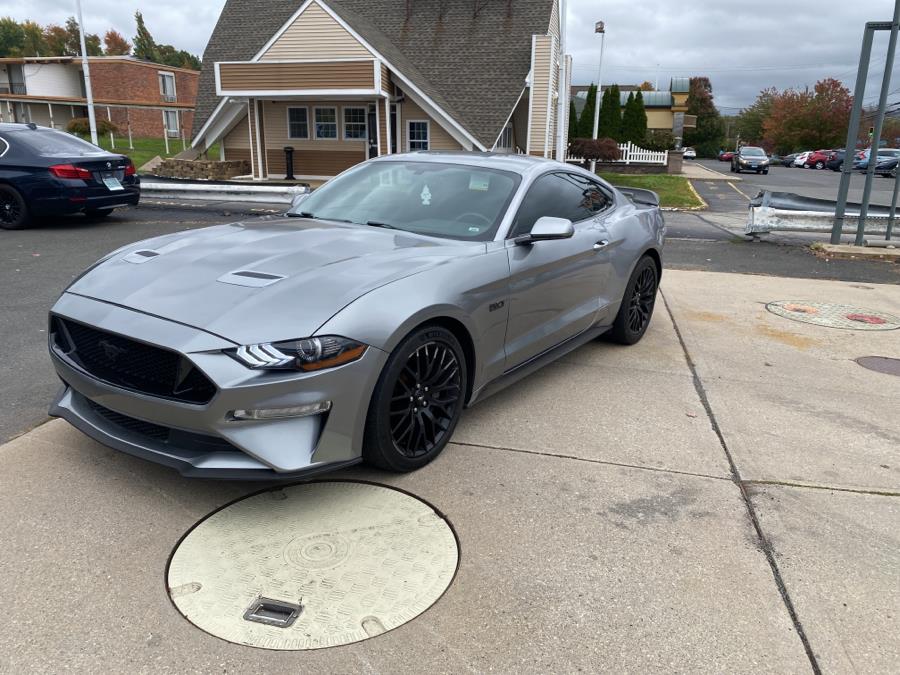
x: 340, y: 81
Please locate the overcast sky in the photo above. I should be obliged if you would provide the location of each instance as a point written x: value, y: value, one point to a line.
x: 742, y: 45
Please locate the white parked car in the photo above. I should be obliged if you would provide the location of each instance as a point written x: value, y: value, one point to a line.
x: 800, y: 160
x: 690, y: 153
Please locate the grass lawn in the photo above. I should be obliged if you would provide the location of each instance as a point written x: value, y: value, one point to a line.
x: 146, y: 149
x: 673, y: 191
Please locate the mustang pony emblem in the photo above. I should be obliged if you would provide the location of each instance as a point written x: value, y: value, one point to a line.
x: 112, y: 351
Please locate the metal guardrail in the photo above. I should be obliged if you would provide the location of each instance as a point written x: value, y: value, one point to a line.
x: 222, y: 192
x: 789, y: 212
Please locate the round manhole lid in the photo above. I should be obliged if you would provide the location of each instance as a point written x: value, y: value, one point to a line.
x: 314, y: 565
x: 834, y: 316
x: 880, y: 364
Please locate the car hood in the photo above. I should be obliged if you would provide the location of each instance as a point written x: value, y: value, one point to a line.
x: 261, y: 282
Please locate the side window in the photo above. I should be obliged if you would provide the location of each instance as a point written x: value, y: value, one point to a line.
x: 544, y: 198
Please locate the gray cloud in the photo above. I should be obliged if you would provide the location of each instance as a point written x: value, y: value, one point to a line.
x: 742, y: 45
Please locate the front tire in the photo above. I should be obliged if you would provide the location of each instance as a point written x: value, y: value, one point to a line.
x: 14, y: 213
x: 820, y: 166
x: 417, y: 402
x: 637, y: 305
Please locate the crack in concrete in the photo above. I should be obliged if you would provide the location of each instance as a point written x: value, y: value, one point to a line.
x: 830, y: 488
x: 591, y: 461
x: 767, y: 548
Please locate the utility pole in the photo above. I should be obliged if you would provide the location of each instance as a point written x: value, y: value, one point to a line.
x: 86, y: 69
x: 600, y: 28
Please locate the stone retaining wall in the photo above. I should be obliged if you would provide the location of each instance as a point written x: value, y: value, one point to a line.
x: 202, y: 169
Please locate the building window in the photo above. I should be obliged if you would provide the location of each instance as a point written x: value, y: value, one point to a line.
x: 167, y: 86
x: 506, y: 137
x: 418, y: 134
x: 355, y: 123
x: 170, y: 119
x: 326, y: 123
x: 298, y: 123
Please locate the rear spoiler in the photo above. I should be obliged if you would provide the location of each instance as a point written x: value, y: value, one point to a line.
x: 639, y: 196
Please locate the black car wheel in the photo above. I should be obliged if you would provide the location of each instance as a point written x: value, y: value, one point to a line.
x: 13, y: 209
x: 417, y: 402
x: 766, y: 172
x: 637, y: 305
x: 98, y: 213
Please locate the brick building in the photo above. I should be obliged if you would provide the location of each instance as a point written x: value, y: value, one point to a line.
x: 150, y: 99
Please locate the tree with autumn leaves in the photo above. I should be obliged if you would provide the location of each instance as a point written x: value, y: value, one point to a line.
x: 790, y: 120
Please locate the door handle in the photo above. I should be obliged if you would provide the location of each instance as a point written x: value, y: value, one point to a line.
x: 600, y: 245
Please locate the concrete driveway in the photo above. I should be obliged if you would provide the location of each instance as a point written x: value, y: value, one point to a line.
x: 723, y: 497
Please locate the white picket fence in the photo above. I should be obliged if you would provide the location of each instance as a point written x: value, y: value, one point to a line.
x: 629, y: 153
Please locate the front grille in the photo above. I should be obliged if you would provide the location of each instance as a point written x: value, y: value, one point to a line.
x: 132, y: 365
x: 184, y: 440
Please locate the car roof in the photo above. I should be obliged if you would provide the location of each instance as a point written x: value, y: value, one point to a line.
x: 524, y: 165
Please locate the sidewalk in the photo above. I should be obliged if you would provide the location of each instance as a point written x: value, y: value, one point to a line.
x: 601, y: 507
x: 693, y: 171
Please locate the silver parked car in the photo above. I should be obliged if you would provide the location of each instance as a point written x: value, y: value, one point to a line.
x: 400, y: 292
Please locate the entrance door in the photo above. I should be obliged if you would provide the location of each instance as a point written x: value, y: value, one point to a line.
x: 373, y: 132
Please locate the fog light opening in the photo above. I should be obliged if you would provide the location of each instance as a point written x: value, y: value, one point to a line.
x: 304, y: 410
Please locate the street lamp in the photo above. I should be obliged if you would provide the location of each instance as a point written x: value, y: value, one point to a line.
x: 86, y: 69
x: 600, y: 28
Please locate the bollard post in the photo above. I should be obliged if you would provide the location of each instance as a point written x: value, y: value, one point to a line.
x: 289, y: 162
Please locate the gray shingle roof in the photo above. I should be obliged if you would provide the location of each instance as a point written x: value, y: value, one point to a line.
x: 472, y: 64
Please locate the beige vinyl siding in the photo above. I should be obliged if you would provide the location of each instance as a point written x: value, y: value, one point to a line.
x: 554, y: 21
x: 439, y: 139
x: 238, y: 137
x: 276, y: 124
x: 293, y: 76
x: 540, y: 93
x: 386, y: 80
x: 315, y: 35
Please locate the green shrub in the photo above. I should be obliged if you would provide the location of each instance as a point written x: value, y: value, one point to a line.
x: 82, y: 127
x: 659, y: 140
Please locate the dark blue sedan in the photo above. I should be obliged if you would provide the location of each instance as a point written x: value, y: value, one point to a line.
x: 45, y: 172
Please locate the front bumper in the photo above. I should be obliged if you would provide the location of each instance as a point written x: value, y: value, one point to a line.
x: 201, y: 440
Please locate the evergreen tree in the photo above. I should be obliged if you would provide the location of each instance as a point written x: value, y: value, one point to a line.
x: 586, y: 121
x: 144, y: 45
x: 629, y: 121
x: 12, y: 37
x: 709, y: 135
x: 611, y: 114
x: 640, y: 117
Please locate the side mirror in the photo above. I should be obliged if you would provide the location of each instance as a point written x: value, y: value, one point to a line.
x: 548, y: 228
x: 294, y: 211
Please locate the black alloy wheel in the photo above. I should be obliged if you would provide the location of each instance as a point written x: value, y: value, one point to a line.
x: 637, y: 305
x: 417, y: 402
x: 13, y: 210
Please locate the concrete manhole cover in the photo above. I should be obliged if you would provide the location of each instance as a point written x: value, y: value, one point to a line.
x: 834, y: 316
x: 880, y: 364
x: 314, y: 565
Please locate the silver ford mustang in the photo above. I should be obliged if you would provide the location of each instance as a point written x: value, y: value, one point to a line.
x: 397, y: 294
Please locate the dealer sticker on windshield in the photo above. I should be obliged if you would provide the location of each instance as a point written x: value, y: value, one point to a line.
x: 479, y: 182
x: 112, y: 183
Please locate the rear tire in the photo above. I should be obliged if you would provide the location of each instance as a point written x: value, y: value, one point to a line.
x: 820, y: 166
x: 417, y: 402
x: 637, y: 305
x: 14, y: 213
x: 98, y: 213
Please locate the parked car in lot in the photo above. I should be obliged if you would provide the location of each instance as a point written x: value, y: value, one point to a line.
x: 726, y: 156
x: 690, y: 153
x: 750, y: 158
x: 788, y: 160
x: 887, y: 167
x: 45, y: 172
x: 816, y: 159
x: 800, y: 159
x: 835, y: 160
x: 862, y: 164
x: 400, y: 292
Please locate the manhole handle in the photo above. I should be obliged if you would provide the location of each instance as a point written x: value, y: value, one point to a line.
x: 276, y: 613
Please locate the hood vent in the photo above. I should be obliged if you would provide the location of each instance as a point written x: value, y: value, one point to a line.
x: 250, y: 278
x: 138, y: 257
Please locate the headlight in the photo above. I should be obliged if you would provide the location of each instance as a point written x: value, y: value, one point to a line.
x: 309, y: 354
x: 742, y: 161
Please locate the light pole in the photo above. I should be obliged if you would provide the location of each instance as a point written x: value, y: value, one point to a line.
x: 600, y: 27
x: 86, y: 69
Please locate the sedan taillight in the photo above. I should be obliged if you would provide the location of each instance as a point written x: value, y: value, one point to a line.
x: 70, y: 171
x: 129, y: 169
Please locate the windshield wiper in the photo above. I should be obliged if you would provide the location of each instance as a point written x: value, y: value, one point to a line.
x: 386, y: 226
x: 300, y: 214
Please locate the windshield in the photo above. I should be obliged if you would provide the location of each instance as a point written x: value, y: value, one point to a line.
x: 440, y: 200
x: 51, y: 143
x: 753, y: 152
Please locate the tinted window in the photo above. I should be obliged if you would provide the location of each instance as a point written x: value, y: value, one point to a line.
x: 753, y: 152
x: 559, y: 195
x: 441, y: 200
x: 50, y: 143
